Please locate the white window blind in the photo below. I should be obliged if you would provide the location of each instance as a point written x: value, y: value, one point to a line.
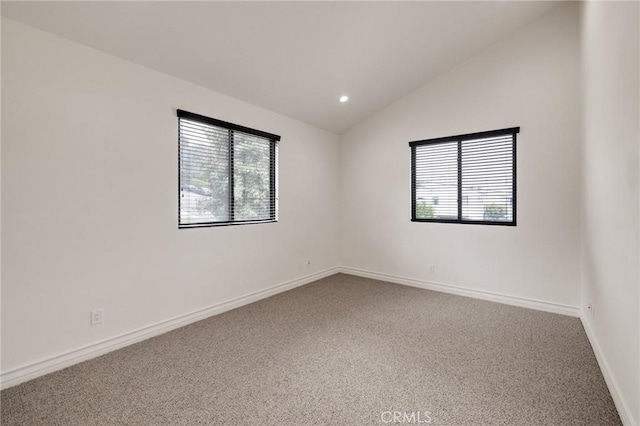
x: 465, y: 179
x: 227, y: 173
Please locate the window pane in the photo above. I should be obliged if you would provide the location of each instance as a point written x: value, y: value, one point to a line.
x: 436, y: 181
x: 204, y: 173
x: 487, y: 179
x: 251, y: 178
x: 228, y: 173
x: 466, y: 178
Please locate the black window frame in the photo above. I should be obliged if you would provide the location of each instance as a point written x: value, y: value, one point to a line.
x: 512, y: 131
x: 273, y: 170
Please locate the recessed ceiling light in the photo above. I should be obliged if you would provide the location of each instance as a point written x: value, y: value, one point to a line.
x: 344, y: 98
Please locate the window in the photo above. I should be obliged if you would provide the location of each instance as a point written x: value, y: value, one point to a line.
x: 465, y: 179
x: 228, y: 173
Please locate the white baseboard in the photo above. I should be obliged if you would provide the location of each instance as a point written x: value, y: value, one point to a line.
x: 612, y: 384
x: 67, y: 359
x: 539, y: 305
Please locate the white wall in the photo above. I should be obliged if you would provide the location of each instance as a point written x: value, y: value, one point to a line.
x: 0, y: 205
x: 89, y: 196
x: 611, y: 213
x: 529, y: 79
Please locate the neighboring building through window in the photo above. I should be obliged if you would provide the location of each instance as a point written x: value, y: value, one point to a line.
x: 227, y: 173
x: 465, y: 179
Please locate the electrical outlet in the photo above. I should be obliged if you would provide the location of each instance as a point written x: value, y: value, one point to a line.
x: 308, y: 263
x: 432, y: 269
x: 97, y: 316
x: 590, y: 309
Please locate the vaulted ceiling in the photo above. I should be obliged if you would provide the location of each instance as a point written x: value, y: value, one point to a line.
x: 294, y: 58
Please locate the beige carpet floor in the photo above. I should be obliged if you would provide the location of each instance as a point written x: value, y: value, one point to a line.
x: 341, y: 351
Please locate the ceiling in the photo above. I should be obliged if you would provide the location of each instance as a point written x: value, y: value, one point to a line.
x: 294, y: 58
